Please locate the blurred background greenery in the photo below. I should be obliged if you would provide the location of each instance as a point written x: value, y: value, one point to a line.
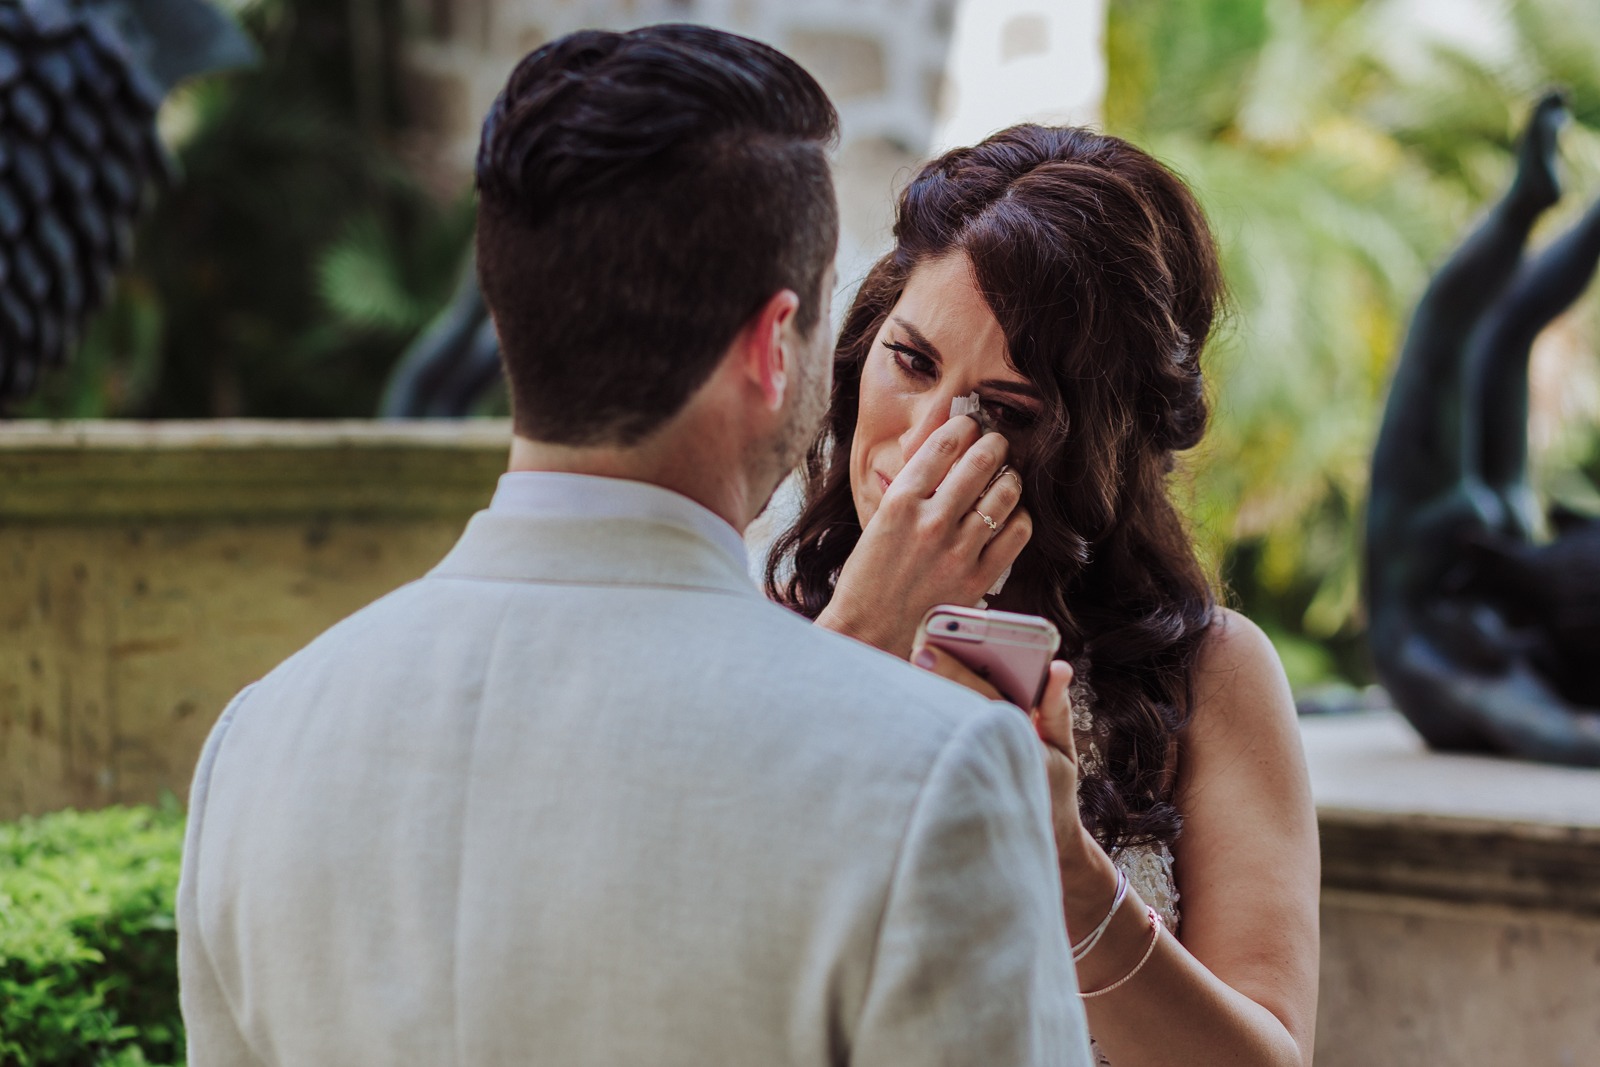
x: 1338, y: 162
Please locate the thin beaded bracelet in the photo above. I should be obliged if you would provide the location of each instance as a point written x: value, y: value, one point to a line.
x: 1084, y: 947
x: 1155, y: 935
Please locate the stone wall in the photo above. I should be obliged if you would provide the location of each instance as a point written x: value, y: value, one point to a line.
x: 1460, y: 903
x: 1415, y: 981
x: 148, y: 572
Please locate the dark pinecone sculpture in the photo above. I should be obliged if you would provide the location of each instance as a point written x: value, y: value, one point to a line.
x: 80, y: 83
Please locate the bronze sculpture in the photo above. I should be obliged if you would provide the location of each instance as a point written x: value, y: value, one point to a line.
x: 1486, y: 638
x: 80, y: 83
x: 448, y: 369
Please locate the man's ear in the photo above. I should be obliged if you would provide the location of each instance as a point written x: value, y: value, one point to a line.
x: 767, y: 353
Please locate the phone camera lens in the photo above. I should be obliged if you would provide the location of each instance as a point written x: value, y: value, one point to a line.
x: 952, y: 626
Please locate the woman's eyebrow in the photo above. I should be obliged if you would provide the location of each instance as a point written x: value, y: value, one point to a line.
x: 1000, y: 385
x: 993, y: 385
x: 919, y: 339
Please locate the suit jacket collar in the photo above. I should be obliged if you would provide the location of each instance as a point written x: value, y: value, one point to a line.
x: 611, y: 551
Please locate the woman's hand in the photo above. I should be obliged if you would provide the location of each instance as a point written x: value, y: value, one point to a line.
x: 927, y: 543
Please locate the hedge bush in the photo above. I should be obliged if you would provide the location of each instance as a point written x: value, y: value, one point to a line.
x: 88, y: 942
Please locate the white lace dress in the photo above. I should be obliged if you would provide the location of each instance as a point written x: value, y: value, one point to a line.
x: 1148, y: 867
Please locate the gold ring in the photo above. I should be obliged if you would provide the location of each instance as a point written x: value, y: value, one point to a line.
x: 987, y: 521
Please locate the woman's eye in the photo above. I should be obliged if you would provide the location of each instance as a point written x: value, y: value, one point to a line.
x: 910, y: 360
x: 1007, y: 417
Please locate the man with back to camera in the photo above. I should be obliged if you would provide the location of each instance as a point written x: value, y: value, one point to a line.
x: 581, y: 795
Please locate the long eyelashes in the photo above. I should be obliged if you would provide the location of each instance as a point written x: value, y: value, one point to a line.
x: 907, y: 358
x: 919, y: 367
x: 1008, y: 417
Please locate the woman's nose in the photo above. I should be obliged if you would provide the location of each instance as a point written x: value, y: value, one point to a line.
x: 931, y: 411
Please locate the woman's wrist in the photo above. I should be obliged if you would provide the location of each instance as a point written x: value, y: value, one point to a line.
x: 830, y: 619
x: 1088, y: 880
x: 841, y: 620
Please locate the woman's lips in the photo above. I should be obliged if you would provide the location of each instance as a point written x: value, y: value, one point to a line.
x: 883, y: 479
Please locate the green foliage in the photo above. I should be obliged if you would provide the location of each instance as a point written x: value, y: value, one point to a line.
x: 88, y: 949
x: 1338, y: 171
x: 373, y: 279
x: 1180, y: 66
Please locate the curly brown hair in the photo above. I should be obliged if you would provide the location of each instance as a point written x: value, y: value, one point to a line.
x: 1099, y: 266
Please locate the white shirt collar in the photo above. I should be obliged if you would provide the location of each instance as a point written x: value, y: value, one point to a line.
x: 552, y: 494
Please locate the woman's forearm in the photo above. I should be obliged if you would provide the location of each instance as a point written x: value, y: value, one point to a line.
x: 1174, y: 1010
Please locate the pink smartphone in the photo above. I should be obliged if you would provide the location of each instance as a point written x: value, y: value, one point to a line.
x: 1010, y: 651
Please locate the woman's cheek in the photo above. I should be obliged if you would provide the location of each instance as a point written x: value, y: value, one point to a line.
x: 859, y: 474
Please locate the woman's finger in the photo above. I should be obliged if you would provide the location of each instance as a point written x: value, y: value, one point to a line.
x: 1053, y: 717
x: 933, y: 461
x: 972, y: 473
x: 998, y: 501
x: 1004, y: 546
x: 942, y: 663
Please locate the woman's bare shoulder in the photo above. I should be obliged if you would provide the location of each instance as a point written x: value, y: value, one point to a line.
x: 1233, y: 642
x: 1243, y: 736
x: 1239, y: 680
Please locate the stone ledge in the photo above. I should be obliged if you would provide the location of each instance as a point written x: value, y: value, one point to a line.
x: 1466, y: 861
x: 247, y: 469
x: 1397, y: 819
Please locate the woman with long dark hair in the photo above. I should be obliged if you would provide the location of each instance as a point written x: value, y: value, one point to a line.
x: 1071, y: 281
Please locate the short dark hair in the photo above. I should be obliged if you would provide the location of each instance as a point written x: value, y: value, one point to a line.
x: 641, y: 196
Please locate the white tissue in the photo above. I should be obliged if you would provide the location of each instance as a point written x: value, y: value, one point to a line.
x: 971, y: 404
x: 1000, y: 582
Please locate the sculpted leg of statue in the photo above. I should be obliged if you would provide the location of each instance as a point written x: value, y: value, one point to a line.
x: 1550, y: 591
x: 1463, y: 674
x: 1420, y: 466
x: 468, y: 377
x: 1497, y: 367
x: 451, y: 364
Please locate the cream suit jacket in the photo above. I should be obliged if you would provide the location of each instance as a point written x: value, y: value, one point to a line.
x: 581, y: 796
